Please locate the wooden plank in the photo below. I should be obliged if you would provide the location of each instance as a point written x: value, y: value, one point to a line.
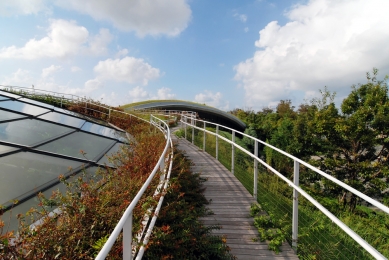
x: 229, y: 203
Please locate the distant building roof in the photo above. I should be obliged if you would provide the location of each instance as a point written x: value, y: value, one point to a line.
x: 205, y: 112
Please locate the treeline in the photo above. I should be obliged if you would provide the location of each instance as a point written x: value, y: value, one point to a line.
x: 350, y: 143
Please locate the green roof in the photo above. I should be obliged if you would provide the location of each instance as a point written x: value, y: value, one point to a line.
x: 206, y: 113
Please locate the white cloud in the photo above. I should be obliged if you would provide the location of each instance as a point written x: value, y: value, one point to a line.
x: 164, y: 93
x: 153, y: 17
x: 98, y: 43
x: 128, y: 69
x: 241, y: 17
x: 121, y: 53
x: 246, y: 29
x: 19, y: 78
x: 92, y: 84
x: 16, y: 7
x: 46, y: 72
x: 326, y: 42
x: 112, y: 99
x: 212, y: 99
x: 64, y: 39
x: 75, y: 69
x: 138, y: 94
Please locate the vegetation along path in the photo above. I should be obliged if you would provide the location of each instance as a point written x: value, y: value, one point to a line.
x: 230, y: 207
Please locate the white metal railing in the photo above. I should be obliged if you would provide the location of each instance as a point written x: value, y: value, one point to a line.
x: 125, y: 223
x: 191, y: 122
x: 189, y: 118
x: 63, y: 98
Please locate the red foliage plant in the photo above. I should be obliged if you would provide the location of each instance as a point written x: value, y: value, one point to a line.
x: 92, y: 205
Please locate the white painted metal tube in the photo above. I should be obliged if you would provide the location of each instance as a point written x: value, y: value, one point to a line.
x: 204, y: 136
x: 112, y: 238
x: 154, y: 219
x: 347, y: 187
x: 333, y: 218
x: 233, y: 153
x: 255, y: 191
x: 295, y: 221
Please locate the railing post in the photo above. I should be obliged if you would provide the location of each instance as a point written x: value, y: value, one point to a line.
x: 127, y: 238
x: 255, y: 171
x: 193, y: 124
x: 233, y: 153
x: 295, y: 204
x: 186, y: 122
x: 109, y: 113
x: 217, y: 142
x: 204, y: 136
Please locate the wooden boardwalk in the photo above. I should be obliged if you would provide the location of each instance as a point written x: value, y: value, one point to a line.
x: 230, y: 202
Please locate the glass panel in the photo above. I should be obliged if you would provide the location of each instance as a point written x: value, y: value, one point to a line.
x: 4, y: 149
x: 59, y: 109
x: 3, y: 97
x: 79, y: 115
x: 5, y: 115
x: 23, y: 172
x: 104, y: 160
x: 63, y: 119
x: 92, y: 119
x: 33, y: 202
x: 30, y: 131
x: 9, y: 94
x: 34, y: 102
x: 23, y: 107
x: 77, y: 143
x: 121, y: 136
x: 101, y: 130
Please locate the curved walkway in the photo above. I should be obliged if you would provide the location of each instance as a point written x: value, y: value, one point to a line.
x: 230, y: 203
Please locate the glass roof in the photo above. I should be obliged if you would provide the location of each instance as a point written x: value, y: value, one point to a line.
x: 47, y: 141
x: 7, y: 94
x: 101, y: 130
x: 5, y: 149
x: 23, y: 107
x: 30, y: 131
x: 22, y: 208
x: 63, y: 119
x: 5, y: 115
x: 71, y: 145
x: 25, y: 172
x: 104, y: 160
x: 34, y: 102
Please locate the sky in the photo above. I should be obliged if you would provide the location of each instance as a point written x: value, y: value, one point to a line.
x: 228, y: 54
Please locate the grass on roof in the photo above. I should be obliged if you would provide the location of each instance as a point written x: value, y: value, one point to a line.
x: 154, y: 101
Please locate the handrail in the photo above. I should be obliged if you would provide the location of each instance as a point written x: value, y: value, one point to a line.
x: 342, y: 184
x: 294, y: 184
x: 154, y: 219
x: 125, y: 222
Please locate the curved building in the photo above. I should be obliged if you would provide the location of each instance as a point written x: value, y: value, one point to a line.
x: 204, y: 112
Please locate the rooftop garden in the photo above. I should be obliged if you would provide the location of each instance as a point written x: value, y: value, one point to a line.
x: 92, y: 205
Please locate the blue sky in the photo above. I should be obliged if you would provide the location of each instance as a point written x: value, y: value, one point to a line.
x: 224, y: 53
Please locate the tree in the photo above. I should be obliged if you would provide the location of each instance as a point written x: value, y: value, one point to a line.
x: 285, y: 109
x: 354, y: 143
